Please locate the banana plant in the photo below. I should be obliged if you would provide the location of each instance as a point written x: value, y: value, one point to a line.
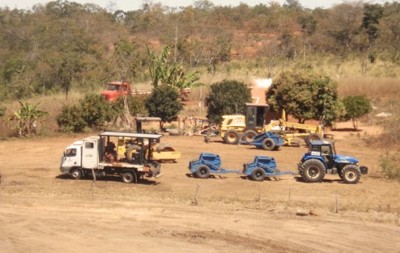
x: 164, y: 72
x: 26, y: 118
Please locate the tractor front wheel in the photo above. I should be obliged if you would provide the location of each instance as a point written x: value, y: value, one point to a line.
x: 202, y: 171
x: 312, y: 171
x: 268, y: 144
x: 231, y: 137
x: 258, y: 174
x: 350, y: 174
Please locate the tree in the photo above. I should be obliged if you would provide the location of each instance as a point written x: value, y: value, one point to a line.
x: 227, y: 97
x: 27, y: 118
x: 356, y: 107
x: 305, y: 96
x: 163, y: 102
x: 370, y: 24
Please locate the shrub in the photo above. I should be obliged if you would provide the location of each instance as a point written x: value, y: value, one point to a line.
x: 390, y: 165
x: 356, y: 107
x: 163, y: 102
x: 227, y: 97
x: 70, y: 119
x: 95, y: 111
x: 136, y: 105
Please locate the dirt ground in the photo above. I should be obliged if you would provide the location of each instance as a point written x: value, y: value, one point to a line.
x: 42, y: 211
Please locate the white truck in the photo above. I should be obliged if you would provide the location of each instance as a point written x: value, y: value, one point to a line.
x: 97, y: 154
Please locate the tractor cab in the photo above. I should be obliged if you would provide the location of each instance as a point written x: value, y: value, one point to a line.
x: 325, y: 150
x: 255, y: 116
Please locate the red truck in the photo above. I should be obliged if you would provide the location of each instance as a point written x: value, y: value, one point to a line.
x: 115, y: 90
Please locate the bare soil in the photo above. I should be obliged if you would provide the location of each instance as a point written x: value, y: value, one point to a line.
x: 43, y: 211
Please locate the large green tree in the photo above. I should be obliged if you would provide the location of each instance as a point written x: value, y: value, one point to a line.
x: 163, y: 102
x: 305, y: 96
x: 227, y: 97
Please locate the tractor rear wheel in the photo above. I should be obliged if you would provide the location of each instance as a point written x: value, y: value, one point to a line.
x: 313, y: 170
x: 268, y: 144
x: 258, y: 174
x: 231, y: 137
x: 202, y: 171
x: 248, y: 136
x: 350, y: 174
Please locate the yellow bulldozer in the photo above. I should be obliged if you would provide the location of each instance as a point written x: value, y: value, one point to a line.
x: 258, y: 118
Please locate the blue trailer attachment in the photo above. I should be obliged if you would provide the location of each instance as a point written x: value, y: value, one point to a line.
x: 268, y: 141
x: 208, y: 164
x: 263, y: 167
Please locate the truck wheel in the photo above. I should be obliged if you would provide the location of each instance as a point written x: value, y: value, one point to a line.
x: 202, y: 172
x: 350, y: 174
x: 129, y: 177
x: 231, y: 137
x: 258, y: 174
x: 76, y: 174
x: 313, y: 170
x: 268, y: 144
x: 248, y: 136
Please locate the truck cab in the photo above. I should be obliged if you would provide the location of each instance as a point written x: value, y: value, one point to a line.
x: 114, y: 90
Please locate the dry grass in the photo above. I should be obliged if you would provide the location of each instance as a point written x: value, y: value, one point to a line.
x: 377, y: 89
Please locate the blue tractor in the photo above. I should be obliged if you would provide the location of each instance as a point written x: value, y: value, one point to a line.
x: 321, y: 158
x: 263, y: 167
x: 206, y: 165
x: 268, y: 141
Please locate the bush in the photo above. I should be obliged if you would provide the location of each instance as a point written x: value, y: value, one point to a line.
x: 356, y: 107
x: 227, y: 97
x: 390, y: 165
x: 136, y: 105
x: 163, y: 102
x: 70, y: 119
x: 95, y: 111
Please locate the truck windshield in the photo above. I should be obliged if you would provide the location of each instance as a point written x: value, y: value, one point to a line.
x: 70, y: 152
x: 112, y: 87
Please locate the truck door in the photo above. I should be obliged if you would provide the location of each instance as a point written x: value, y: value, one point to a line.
x: 90, y: 155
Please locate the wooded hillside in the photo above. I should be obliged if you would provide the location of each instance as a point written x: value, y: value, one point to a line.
x: 63, y: 45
